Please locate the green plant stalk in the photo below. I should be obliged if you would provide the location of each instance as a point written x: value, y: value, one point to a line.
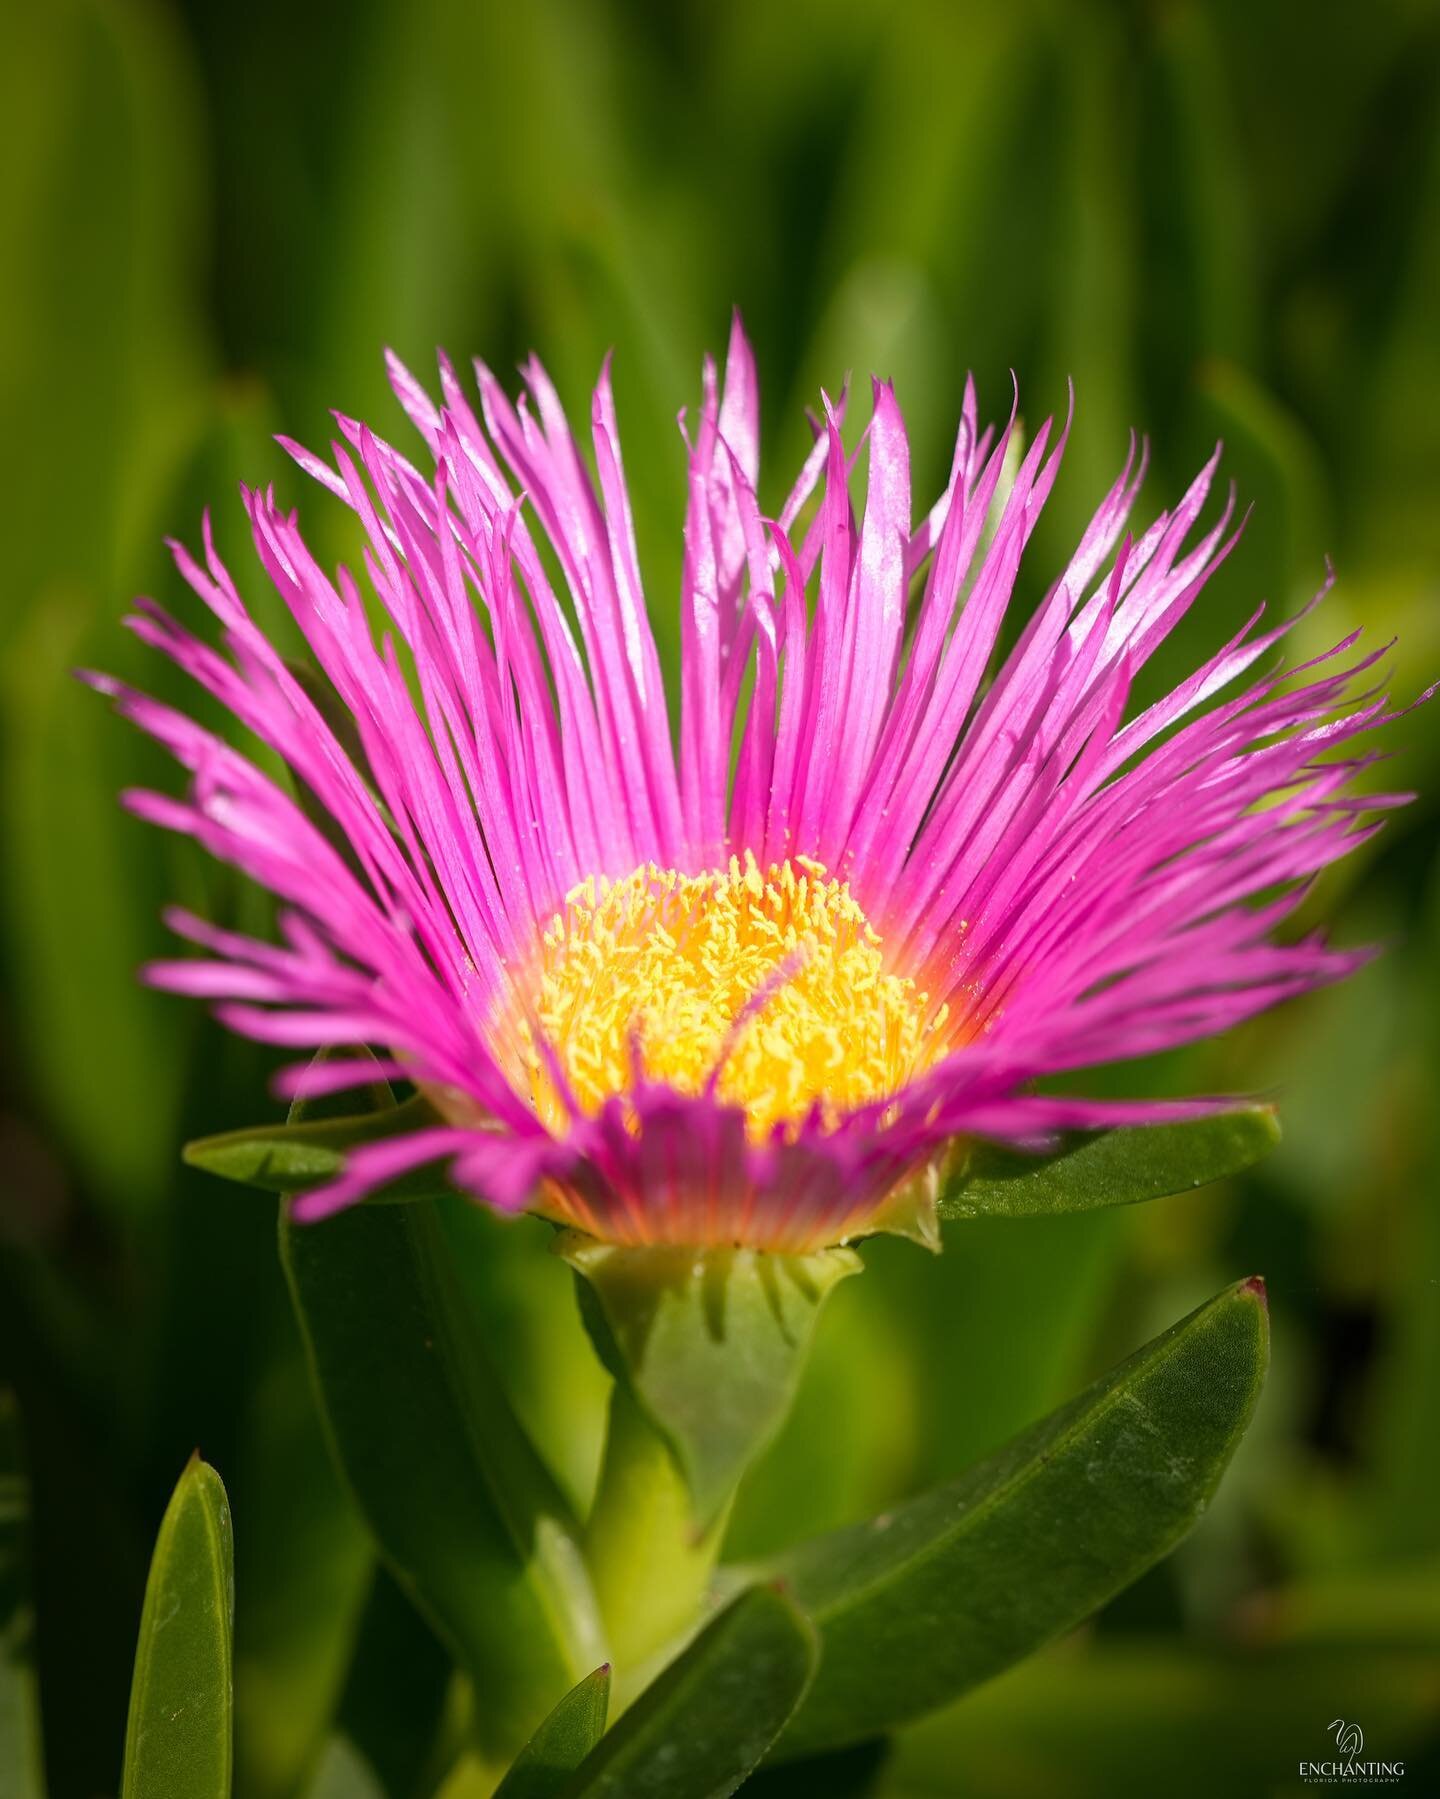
x: 650, y: 1560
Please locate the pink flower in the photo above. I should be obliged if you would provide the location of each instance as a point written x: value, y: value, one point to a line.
x: 749, y: 992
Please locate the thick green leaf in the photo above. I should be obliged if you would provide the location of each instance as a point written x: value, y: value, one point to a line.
x: 22, y: 1762
x: 709, y: 1718
x: 710, y: 1343
x: 1110, y: 1168
x: 543, y: 1767
x: 178, y: 1744
x: 461, y: 1506
x: 927, y: 1601
x: 288, y: 1158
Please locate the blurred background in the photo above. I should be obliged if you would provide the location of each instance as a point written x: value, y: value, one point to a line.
x: 212, y: 219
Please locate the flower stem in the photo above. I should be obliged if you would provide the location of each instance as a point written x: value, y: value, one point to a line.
x: 650, y: 1560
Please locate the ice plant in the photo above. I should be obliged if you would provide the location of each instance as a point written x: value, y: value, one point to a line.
x: 748, y: 991
x: 719, y: 1009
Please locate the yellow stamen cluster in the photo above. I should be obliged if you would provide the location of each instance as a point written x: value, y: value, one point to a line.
x: 772, y: 985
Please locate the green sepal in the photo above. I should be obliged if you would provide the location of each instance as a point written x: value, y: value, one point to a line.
x: 543, y: 1767
x: 710, y: 1343
x: 919, y: 1605
x: 1092, y: 1169
x: 22, y: 1759
x: 702, y: 1726
x: 179, y: 1742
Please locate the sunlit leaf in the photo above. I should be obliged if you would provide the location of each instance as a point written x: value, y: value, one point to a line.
x: 705, y: 1723
x: 543, y: 1767
x: 930, y: 1599
x: 288, y: 1158
x: 178, y: 1743
x: 1110, y: 1168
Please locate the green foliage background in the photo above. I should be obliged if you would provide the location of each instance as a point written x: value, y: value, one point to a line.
x: 1222, y: 220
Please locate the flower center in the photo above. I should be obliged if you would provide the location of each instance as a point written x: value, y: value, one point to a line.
x: 769, y: 987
